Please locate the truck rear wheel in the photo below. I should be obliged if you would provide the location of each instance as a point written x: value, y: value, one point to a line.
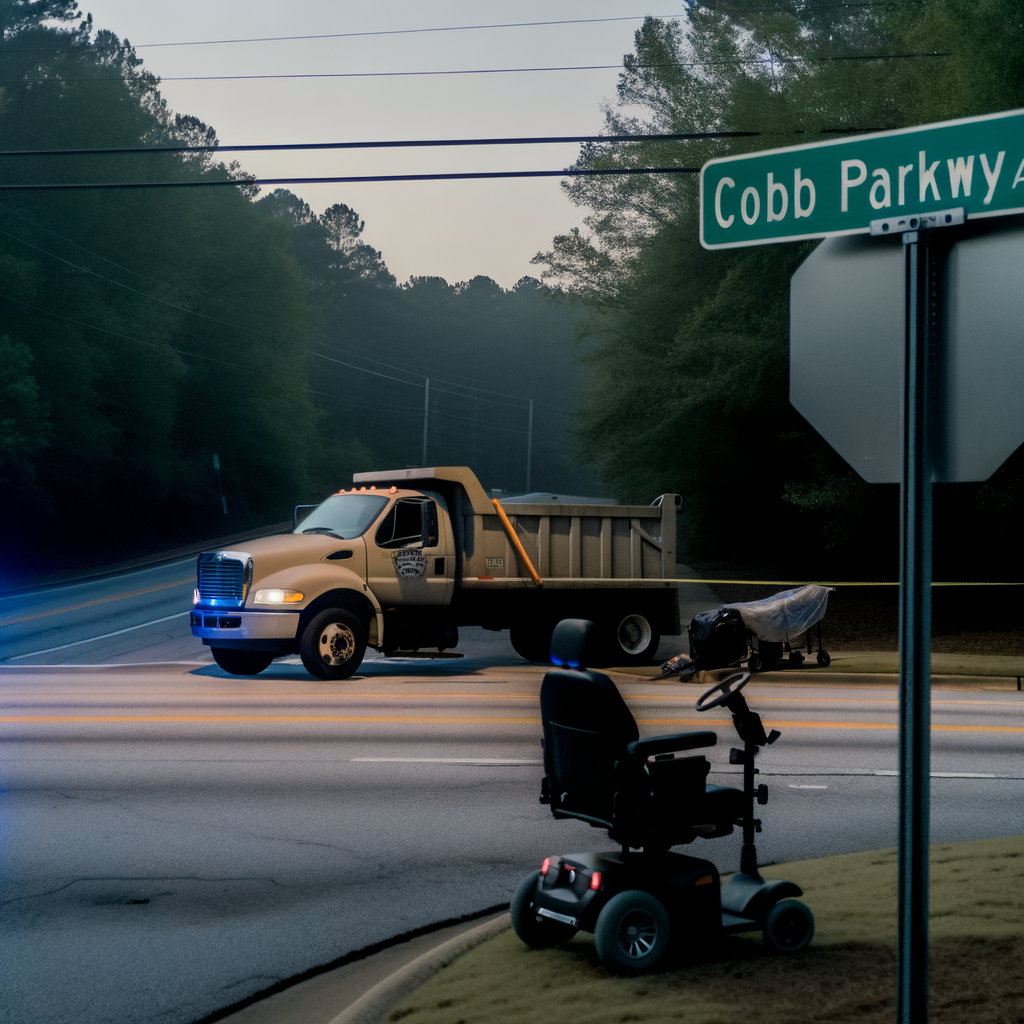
x: 532, y: 641
x: 241, y: 663
x: 333, y: 644
x: 633, y: 640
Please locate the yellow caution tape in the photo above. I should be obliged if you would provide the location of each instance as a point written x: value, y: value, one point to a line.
x: 848, y: 583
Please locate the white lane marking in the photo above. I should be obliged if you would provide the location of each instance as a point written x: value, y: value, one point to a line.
x: 64, y: 665
x: 511, y: 762
x: 92, y: 639
x: 808, y: 786
x: 864, y: 773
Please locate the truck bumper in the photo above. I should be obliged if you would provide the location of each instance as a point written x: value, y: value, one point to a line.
x: 243, y: 625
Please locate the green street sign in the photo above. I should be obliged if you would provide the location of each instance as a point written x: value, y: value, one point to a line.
x: 839, y: 187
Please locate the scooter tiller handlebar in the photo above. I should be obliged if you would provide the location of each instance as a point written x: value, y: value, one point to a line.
x: 725, y: 689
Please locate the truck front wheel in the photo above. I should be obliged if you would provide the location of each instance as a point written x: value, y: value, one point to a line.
x: 333, y: 644
x: 241, y: 663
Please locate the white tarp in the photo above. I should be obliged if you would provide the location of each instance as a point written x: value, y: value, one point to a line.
x: 783, y: 617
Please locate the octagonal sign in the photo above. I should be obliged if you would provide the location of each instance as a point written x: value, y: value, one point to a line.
x: 847, y: 352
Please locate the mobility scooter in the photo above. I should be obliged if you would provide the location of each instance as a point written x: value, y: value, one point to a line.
x: 638, y: 900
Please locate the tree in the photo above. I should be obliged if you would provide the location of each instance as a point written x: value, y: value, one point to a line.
x: 146, y: 329
x: 689, y: 389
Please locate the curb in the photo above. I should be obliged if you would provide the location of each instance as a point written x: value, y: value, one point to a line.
x: 373, y: 1006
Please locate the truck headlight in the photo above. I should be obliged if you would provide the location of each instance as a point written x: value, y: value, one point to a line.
x: 275, y: 596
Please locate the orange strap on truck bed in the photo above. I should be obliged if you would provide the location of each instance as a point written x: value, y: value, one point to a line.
x: 516, y: 543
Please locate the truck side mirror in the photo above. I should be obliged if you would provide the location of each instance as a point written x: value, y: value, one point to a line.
x: 297, y: 517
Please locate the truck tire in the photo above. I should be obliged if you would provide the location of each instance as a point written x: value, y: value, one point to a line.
x: 241, y: 663
x: 630, y: 640
x: 532, y: 641
x: 333, y: 644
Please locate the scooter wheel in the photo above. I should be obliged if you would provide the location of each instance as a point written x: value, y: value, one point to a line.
x: 534, y: 930
x: 823, y: 659
x: 788, y: 927
x: 632, y: 933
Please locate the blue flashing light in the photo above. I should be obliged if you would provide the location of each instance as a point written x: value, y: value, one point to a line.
x: 556, y: 661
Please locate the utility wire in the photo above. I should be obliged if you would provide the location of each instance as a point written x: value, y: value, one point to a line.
x: 225, y: 323
x: 403, y: 31
x: 89, y: 252
x: 538, y: 140
x: 127, y: 287
x: 499, y: 71
x: 348, y: 179
x: 379, y: 32
x: 417, y: 373
x: 124, y: 337
x: 417, y: 384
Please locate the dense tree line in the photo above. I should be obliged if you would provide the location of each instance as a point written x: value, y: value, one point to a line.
x: 487, y: 352
x: 143, y: 331
x: 690, y: 382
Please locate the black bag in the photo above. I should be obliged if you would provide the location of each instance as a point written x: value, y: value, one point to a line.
x: 718, y: 638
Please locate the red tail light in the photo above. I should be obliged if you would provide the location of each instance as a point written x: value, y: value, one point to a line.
x: 595, y: 880
x: 544, y: 867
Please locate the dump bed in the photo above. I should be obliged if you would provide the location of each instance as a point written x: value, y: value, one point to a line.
x: 568, y: 543
x: 568, y: 546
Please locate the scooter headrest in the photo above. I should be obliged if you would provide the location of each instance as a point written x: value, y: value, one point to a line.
x: 569, y: 645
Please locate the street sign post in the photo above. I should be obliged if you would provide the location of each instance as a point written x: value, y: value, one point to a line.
x: 920, y: 184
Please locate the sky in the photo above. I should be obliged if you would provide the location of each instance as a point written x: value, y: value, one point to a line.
x: 454, y: 229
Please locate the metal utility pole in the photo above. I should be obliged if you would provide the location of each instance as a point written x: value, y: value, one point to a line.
x: 426, y: 415
x: 923, y: 260
x: 529, y: 446
x: 220, y: 484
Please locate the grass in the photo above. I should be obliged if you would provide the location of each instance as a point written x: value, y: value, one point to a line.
x: 846, y: 975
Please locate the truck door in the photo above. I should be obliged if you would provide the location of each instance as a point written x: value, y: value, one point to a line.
x: 411, y: 560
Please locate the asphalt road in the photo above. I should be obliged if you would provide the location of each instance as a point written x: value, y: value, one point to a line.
x: 173, y: 839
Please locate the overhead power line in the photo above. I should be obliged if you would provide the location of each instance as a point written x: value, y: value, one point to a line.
x: 377, y: 32
x: 536, y: 140
x: 403, y: 31
x: 418, y: 384
x: 501, y: 71
x: 346, y: 179
x: 415, y: 373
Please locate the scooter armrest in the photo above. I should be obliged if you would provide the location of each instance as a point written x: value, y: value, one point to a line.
x: 642, y: 749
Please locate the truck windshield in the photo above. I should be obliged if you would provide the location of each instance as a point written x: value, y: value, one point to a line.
x: 343, y: 515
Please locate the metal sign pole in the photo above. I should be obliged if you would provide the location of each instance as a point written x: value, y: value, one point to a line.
x: 923, y: 294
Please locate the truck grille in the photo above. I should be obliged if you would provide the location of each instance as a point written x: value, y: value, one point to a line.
x: 223, y: 580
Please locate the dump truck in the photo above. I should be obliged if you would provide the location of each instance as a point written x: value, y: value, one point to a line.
x: 403, y: 559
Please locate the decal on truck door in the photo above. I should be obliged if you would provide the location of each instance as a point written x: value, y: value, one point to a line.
x: 411, y: 565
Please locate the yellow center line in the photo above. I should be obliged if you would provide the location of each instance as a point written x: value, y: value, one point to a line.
x: 260, y: 718
x: 427, y: 696
x: 463, y: 720
x: 841, y: 725
x: 100, y: 600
